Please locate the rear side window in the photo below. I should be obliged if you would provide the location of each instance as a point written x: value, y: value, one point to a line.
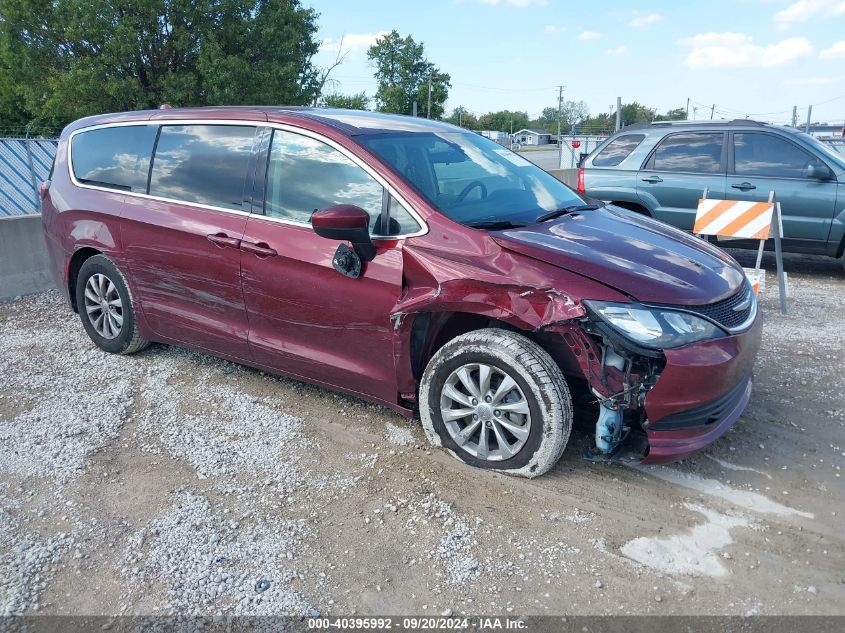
x: 205, y: 164
x: 767, y: 155
x: 114, y: 157
x: 305, y: 175
x: 695, y: 151
x: 618, y: 150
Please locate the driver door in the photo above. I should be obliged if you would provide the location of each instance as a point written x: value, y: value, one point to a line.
x: 305, y: 318
x: 761, y: 162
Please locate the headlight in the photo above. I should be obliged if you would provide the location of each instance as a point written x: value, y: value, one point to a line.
x: 653, y: 327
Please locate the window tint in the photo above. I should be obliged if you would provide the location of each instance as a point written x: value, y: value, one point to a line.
x: 767, y: 155
x: 700, y: 151
x: 306, y: 175
x: 206, y: 164
x: 618, y: 150
x: 114, y: 157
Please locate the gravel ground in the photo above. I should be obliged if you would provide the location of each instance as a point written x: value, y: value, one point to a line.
x: 171, y: 482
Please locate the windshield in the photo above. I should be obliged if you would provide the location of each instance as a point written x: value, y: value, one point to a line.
x: 471, y: 179
x: 824, y: 148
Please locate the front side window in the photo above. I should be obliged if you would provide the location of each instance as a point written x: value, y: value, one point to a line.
x: 114, y: 157
x: 694, y: 151
x: 472, y: 179
x: 618, y: 150
x: 306, y: 175
x: 205, y: 164
x: 767, y: 155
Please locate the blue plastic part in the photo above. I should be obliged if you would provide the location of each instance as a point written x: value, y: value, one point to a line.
x: 608, y: 429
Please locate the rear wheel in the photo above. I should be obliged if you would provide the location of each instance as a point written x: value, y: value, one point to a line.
x: 105, y: 307
x: 497, y: 400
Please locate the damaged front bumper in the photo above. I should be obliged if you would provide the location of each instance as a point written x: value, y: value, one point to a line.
x: 701, y: 392
x: 664, y: 405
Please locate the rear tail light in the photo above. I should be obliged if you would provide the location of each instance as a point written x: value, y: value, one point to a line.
x: 581, y: 180
x: 44, y: 188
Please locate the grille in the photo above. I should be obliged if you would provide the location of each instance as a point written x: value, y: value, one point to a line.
x: 723, y: 313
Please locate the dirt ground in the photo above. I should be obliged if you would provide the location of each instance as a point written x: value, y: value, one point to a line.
x: 172, y: 482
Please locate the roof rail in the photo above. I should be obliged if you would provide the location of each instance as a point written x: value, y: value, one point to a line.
x: 637, y: 126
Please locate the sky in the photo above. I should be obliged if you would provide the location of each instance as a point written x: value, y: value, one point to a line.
x: 756, y: 58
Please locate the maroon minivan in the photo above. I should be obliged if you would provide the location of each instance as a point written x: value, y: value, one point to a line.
x: 408, y: 262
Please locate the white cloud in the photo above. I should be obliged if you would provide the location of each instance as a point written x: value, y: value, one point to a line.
x: 715, y: 39
x: 834, y: 52
x: 645, y: 20
x: 352, y: 42
x: 516, y: 3
x: 619, y: 50
x: 737, y: 50
x: 812, y: 81
x: 551, y: 28
x: 804, y: 10
x: 589, y: 35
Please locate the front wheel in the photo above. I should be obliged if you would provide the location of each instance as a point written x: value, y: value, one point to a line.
x: 497, y: 400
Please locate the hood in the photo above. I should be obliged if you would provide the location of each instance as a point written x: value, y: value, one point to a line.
x: 641, y: 257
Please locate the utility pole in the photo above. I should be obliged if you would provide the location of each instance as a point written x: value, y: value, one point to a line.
x: 428, y: 116
x: 618, y: 113
x: 460, y: 116
x: 694, y: 112
x: 415, y: 108
x: 795, y: 116
x: 809, y: 114
x: 687, y: 108
x: 712, y: 110
x: 559, y: 112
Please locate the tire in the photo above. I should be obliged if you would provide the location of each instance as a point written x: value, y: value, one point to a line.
x: 539, y: 389
x: 117, y: 331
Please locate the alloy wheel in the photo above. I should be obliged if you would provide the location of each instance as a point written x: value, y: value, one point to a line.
x: 485, y: 412
x: 103, y: 306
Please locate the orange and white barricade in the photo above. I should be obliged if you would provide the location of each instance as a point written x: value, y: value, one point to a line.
x: 743, y: 219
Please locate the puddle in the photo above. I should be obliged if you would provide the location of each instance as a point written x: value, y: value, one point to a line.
x: 745, y: 499
x: 730, y: 466
x: 692, y: 553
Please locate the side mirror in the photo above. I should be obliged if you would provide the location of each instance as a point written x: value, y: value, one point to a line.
x: 346, y: 222
x: 818, y: 171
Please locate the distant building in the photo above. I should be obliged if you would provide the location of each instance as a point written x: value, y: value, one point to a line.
x: 532, y: 137
x: 494, y: 135
x: 825, y: 130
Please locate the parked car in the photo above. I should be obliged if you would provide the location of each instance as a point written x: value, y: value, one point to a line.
x: 404, y: 261
x: 661, y: 170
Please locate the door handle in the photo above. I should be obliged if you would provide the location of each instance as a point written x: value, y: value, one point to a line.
x: 224, y: 241
x: 653, y: 179
x: 743, y: 186
x: 259, y: 249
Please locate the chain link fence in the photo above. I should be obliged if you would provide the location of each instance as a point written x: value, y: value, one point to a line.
x: 24, y: 165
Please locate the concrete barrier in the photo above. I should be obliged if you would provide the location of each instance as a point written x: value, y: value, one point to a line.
x: 24, y: 264
x: 566, y: 176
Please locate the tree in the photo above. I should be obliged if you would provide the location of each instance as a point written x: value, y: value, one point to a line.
x: 463, y: 117
x: 72, y: 58
x: 403, y: 74
x: 636, y: 113
x: 571, y: 113
x: 358, y: 101
x: 676, y: 114
x: 504, y: 121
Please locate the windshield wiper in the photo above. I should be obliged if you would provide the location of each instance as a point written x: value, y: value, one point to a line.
x: 565, y: 210
x: 494, y: 225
